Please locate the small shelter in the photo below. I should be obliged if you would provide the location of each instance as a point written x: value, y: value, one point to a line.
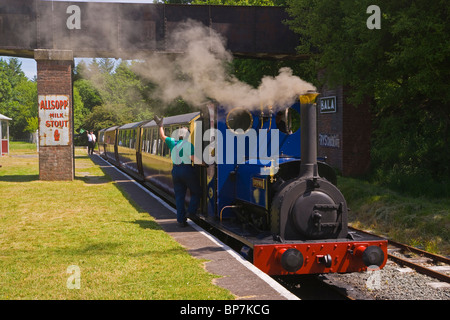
x: 4, y: 135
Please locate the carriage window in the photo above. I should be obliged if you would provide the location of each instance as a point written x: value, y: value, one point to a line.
x: 144, y: 139
x: 130, y: 138
x: 148, y: 141
x: 155, y: 141
x: 131, y: 143
x: 120, y: 138
x: 154, y: 146
x: 159, y: 152
x: 239, y: 118
x: 165, y: 151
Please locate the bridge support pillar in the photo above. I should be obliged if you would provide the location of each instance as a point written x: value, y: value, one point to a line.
x: 344, y: 131
x: 54, y: 86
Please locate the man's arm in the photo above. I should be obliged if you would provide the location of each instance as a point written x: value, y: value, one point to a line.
x: 161, y: 133
x: 159, y: 122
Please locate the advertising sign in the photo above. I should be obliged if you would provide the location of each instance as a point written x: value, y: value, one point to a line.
x: 54, y: 120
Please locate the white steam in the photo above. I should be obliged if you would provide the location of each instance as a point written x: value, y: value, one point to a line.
x: 199, y: 71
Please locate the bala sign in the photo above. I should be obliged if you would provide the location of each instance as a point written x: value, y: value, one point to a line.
x: 54, y: 120
x: 327, y: 104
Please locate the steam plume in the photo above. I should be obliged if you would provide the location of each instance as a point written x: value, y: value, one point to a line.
x: 199, y: 72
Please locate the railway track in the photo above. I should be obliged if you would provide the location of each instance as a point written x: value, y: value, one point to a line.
x: 430, y: 264
x: 411, y: 258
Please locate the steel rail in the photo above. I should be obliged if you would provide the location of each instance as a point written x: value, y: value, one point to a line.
x: 421, y: 269
x: 424, y: 270
x: 421, y: 252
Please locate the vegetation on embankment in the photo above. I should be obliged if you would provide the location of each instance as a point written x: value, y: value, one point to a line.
x: 419, y: 221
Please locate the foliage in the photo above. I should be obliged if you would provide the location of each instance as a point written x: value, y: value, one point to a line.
x: 104, y: 116
x: 90, y: 97
x: 408, y: 219
x: 228, y: 2
x: 240, y: 2
x: 404, y: 67
x: 251, y: 71
x: 109, y: 95
x: 18, y: 97
x: 32, y: 124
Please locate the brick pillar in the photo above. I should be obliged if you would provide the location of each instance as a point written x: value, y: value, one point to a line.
x: 344, y: 131
x: 54, y: 84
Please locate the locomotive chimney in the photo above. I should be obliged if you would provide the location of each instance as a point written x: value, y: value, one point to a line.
x: 308, y: 141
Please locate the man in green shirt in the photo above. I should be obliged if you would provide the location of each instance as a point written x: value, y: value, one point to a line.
x: 184, y: 174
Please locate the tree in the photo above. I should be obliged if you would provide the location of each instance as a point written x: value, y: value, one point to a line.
x: 103, y: 116
x: 90, y: 96
x: 404, y: 67
x: 32, y: 124
x: 80, y: 111
x: 241, y: 2
x: 18, y: 97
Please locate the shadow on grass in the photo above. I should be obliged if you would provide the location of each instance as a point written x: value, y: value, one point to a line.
x: 78, y: 156
x: 20, y: 178
x: 146, y: 224
x: 93, y: 179
x: 104, y: 248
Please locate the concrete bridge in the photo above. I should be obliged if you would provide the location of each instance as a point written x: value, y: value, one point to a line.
x: 101, y: 29
x: 56, y: 32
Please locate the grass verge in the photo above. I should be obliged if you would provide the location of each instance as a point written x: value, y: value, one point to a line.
x: 119, y: 252
x: 420, y: 222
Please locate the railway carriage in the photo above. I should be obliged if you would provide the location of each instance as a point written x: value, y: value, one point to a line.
x: 109, y: 144
x: 262, y: 186
x: 128, y: 147
x: 101, y: 141
x: 156, y: 164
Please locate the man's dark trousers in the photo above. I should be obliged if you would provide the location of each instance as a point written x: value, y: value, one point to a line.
x: 185, y: 176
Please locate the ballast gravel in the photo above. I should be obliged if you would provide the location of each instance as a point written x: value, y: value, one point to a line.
x: 393, y: 283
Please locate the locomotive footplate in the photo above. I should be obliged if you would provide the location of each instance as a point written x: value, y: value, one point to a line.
x: 357, y: 252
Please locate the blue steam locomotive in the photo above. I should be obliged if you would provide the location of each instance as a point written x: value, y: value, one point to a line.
x: 262, y: 184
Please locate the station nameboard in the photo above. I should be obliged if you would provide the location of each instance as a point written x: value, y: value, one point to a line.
x: 54, y: 120
x: 327, y: 104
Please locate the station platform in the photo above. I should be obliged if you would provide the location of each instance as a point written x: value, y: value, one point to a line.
x: 240, y: 277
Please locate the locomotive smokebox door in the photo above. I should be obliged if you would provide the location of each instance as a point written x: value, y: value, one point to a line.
x: 304, y: 210
x: 316, y: 216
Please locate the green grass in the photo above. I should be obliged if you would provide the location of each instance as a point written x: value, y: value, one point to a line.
x: 421, y: 222
x: 121, y: 252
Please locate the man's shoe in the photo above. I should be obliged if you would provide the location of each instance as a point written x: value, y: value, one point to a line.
x: 182, y: 224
